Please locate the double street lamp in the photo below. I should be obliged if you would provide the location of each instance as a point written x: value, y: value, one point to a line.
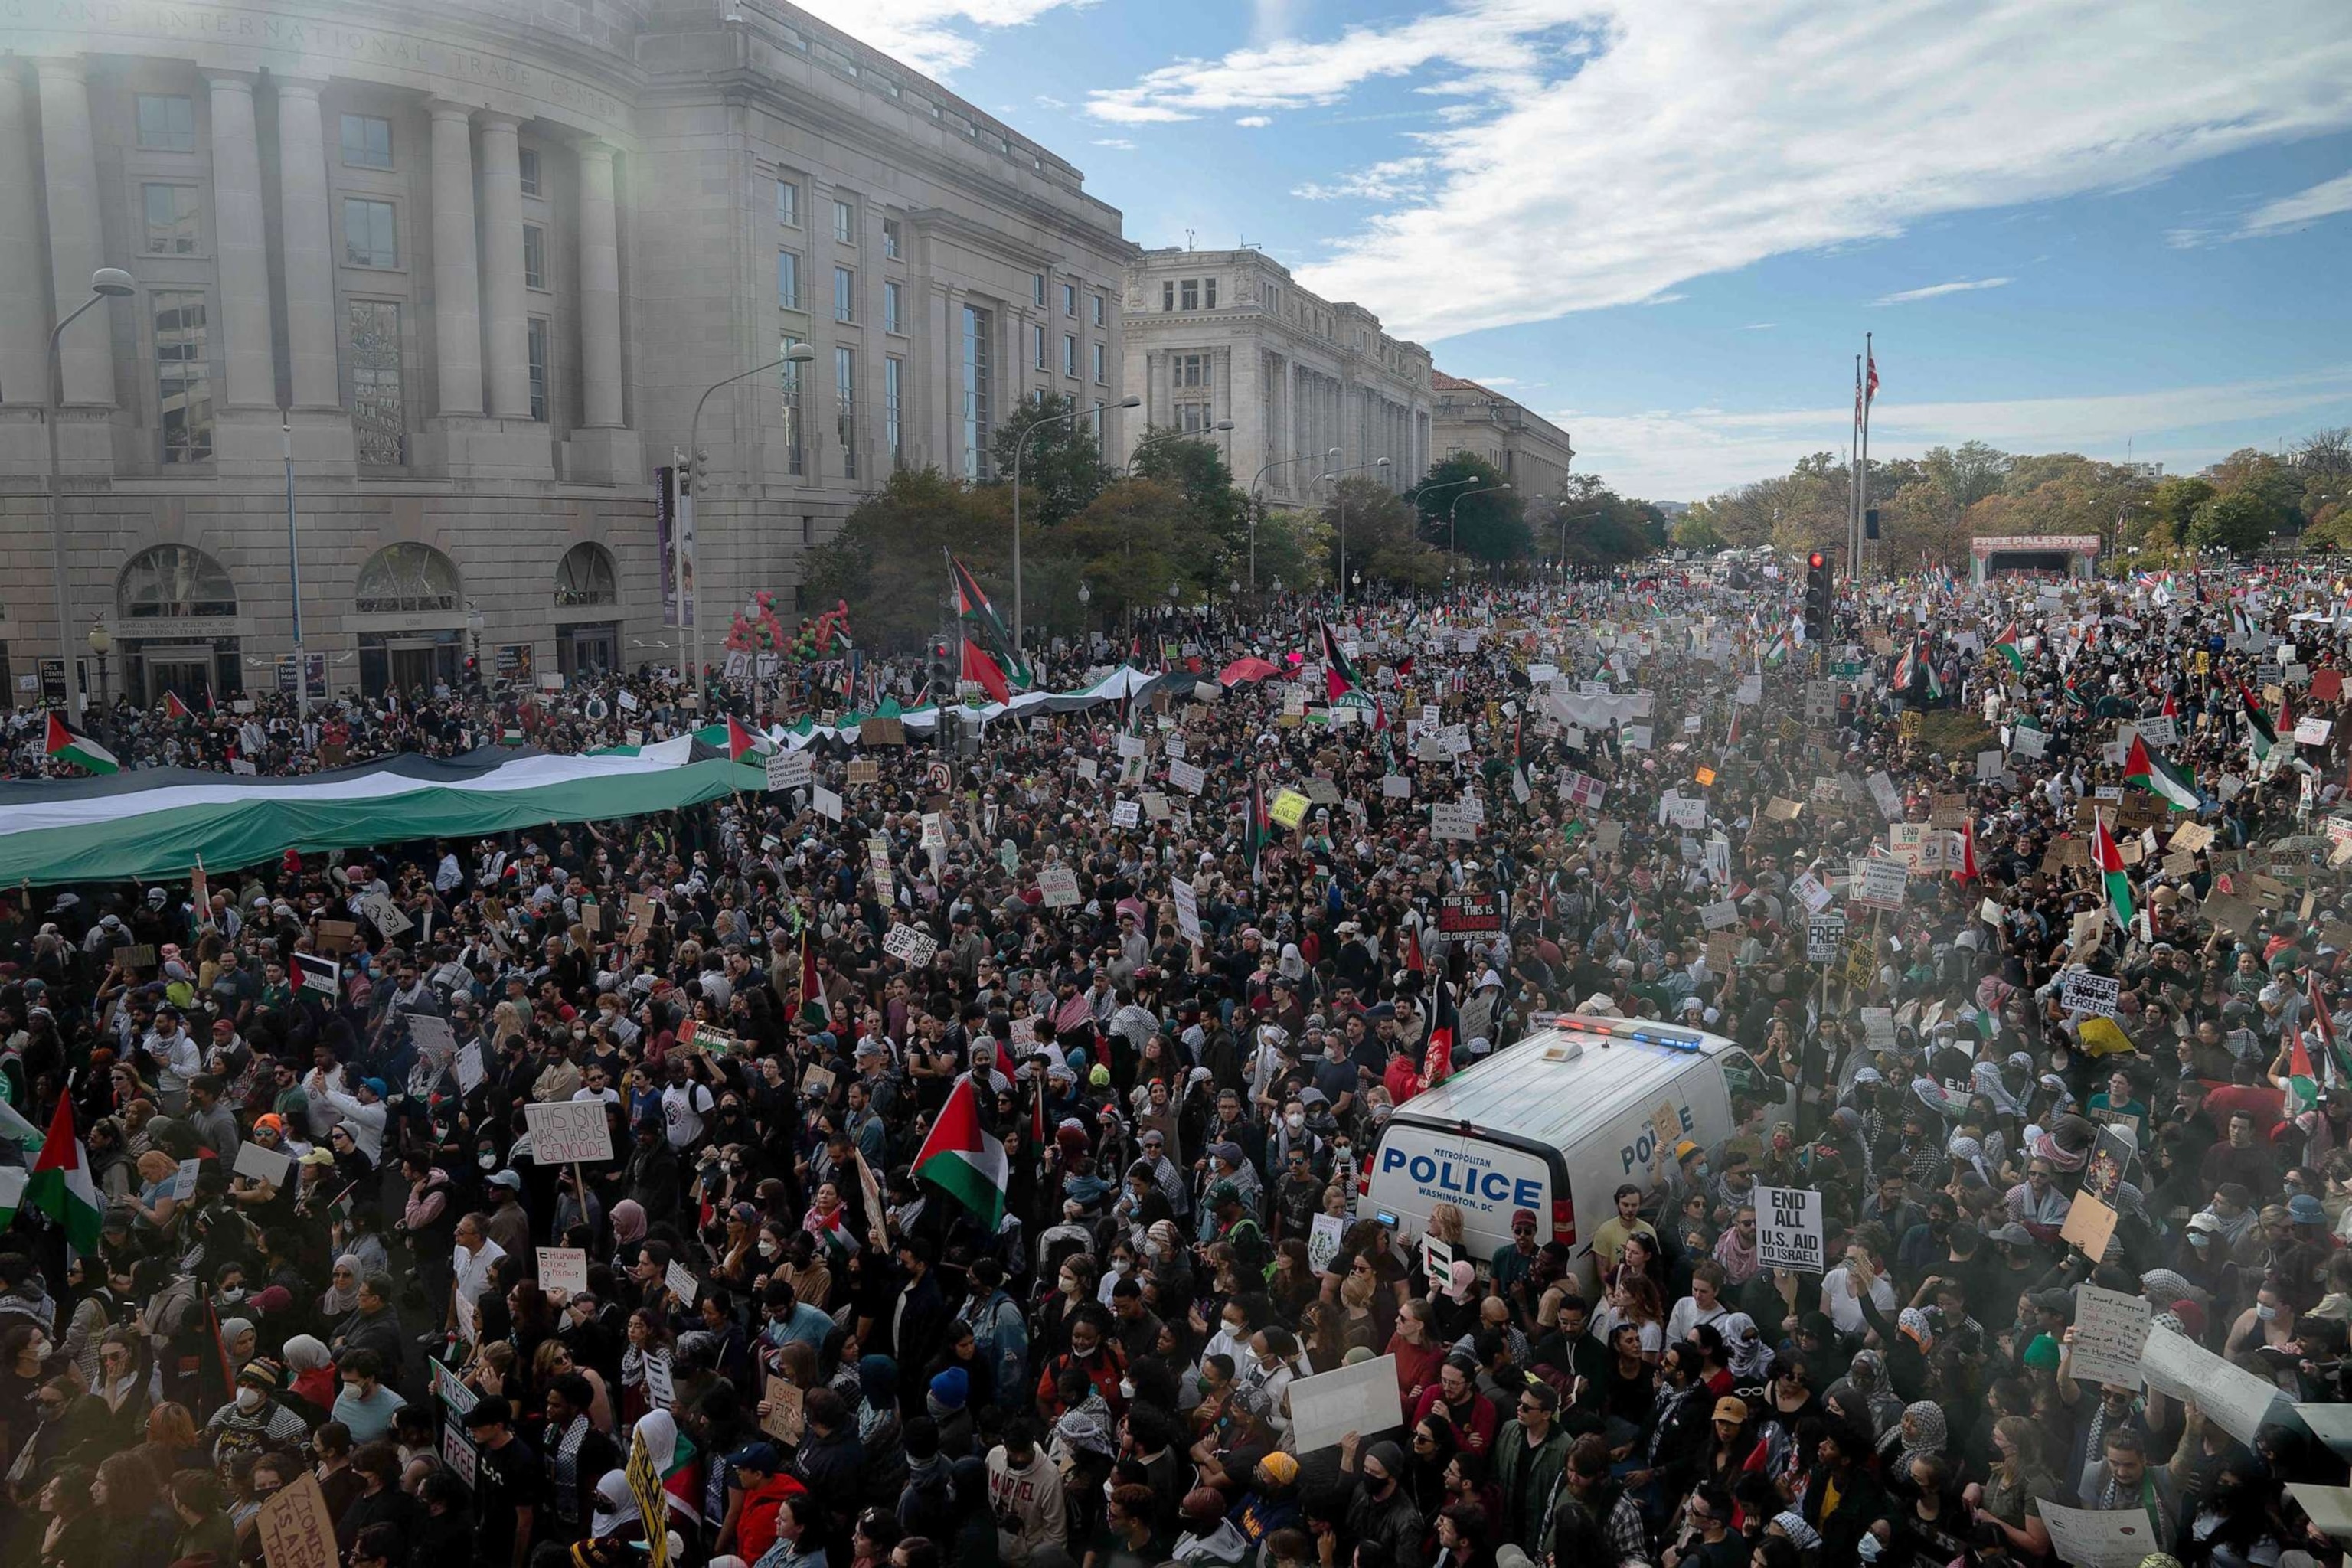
x: 1020, y: 450
x: 1278, y: 463
x: 106, y: 283
x: 1454, y: 515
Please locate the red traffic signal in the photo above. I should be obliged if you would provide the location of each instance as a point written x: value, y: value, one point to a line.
x: 1816, y: 561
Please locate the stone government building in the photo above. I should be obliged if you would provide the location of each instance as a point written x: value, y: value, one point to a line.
x: 485, y: 257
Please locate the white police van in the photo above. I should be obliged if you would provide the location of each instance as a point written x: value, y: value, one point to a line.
x: 1556, y: 1125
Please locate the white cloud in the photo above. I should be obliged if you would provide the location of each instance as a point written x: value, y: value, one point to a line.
x: 1624, y: 148
x: 2305, y: 206
x: 937, y: 37
x: 1047, y: 100
x: 1380, y: 183
x: 1254, y: 121
x: 1120, y: 143
x: 1685, y: 453
x: 1760, y: 326
x: 1936, y: 291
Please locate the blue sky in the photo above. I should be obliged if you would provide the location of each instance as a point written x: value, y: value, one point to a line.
x: 2071, y: 225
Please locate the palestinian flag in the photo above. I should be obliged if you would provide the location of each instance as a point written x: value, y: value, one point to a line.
x: 974, y: 609
x: 61, y: 1186
x: 2108, y: 861
x: 1907, y: 669
x: 2323, y: 1026
x: 2074, y: 693
x: 1966, y: 870
x: 2302, y: 1083
x: 1928, y: 667
x: 740, y: 743
x: 1413, y: 959
x: 2148, y: 769
x: 1780, y: 648
x: 839, y: 1240
x: 175, y: 709
x: 2260, y: 733
x: 962, y: 1160
x: 2007, y: 648
x: 1340, y: 677
x: 985, y: 672
x: 67, y: 744
x: 814, y: 1009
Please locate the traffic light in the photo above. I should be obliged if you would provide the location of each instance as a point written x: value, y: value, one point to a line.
x: 697, y: 465
x: 1821, y: 597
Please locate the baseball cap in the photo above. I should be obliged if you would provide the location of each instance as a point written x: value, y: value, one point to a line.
x: 760, y: 1456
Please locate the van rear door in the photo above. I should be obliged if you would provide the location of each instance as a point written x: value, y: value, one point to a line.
x: 1486, y: 1175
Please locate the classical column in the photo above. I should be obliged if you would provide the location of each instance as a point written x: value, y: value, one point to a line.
x: 307, y: 237
x: 243, y: 264
x: 24, y: 312
x: 600, y: 287
x: 504, y: 313
x: 457, y: 283
x: 69, y: 171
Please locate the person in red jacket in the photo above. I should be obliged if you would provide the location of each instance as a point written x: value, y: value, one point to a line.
x: 760, y: 1470
x: 1455, y: 1397
x: 1092, y: 1353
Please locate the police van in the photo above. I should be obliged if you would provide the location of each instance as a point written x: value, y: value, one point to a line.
x: 1556, y: 1125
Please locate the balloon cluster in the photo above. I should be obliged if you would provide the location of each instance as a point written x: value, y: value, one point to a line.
x: 758, y: 629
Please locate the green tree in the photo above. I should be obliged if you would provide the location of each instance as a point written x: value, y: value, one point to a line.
x: 1968, y: 474
x: 1696, y: 531
x: 1129, y: 543
x: 1463, y: 506
x: 1378, y: 532
x: 886, y: 561
x: 1061, y: 467
x: 2172, y: 505
x: 2241, y: 519
x: 1196, y: 471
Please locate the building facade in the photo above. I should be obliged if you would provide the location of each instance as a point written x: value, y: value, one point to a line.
x: 1532, y: 452
x: 1226, y: 334
x: 476, y: 265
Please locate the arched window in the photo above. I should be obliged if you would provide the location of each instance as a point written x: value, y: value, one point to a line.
x: 174, y: 582
x: 408, y: 578
x: 587, y: 576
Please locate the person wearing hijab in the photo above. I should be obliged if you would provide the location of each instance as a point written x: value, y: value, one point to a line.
x: 1749, y: 1355
x: 1920, y: 1433
x: 675, y: 1457
x: 340, y: 1298
x: 615, y: 1512
x: 314, y: 1373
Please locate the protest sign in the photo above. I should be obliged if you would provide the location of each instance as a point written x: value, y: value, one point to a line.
x: 2238, y: 1401
x: 1188, y: 911
x: 2083, y: 992
x: 790, y: 769
x: 1789, y: 1229
x: 563, y: 1269
x: 1359, y: 1398
x: 912, y: 946
x: 2110, y: 1329
x: 1323, y: 1242
x: 2098, y: 1536
x: 2089, y: 1224
x: 1468, y: 913
x: 825, y: 803
x: 568, y: 1132
x: 295, y: 1526
x: 1879, y: 884
x: 784, y: 1420
x: 681, y: 1283
x: 1058, y: 885
x: 262, y: 1165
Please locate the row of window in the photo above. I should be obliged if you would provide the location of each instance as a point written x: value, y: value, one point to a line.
x: 371, y: 234
x: 1188, y: 294
x: 844, y: 402
x: 844, y: 219
x: 1101, y: 303
x: 182, y: 582
x: 1037, y: 340
x: 167, y: 123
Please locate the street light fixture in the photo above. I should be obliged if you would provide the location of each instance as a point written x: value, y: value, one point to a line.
x: 100, y: 642
x: 106, y: 283
x: 797, y: 355
x: 1278, y: 463
x: 1452, y: 516
x: 1020, y: 450
x: 1332, y: 478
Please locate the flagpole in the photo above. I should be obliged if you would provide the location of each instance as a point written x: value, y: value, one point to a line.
x: 1853, y: 445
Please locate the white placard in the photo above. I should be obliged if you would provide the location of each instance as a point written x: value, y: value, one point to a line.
x: 1989, y: 765
x: 451, y: 1390
x: 1879, y: 884
x: 1127, y: 814
x: 183, y: 1185
x: 563, y: 1269
x: 935, y: 830
x: 2110, y: 1329
x: 681, y: 1283
x: 469, y: 1069
x: 1453, y: 819
x: 2161, y: 731
x: 1358, y: 1398
x: 1131, y: 745
x: 2098, y: 1538
x: 431, y: 1037
x: 1813, y: 892
x: 1889, y: 799
x: 1324, y: 1237
x: 2023, y: 738
x: 2313, y: 732
x: 1878, y: 1028
x: 262, y: 1165
x: 2084, y: 991
x: 2179, y: 1368
x: 1188, y: 911
x: 384, y: 915
x: 1396, y: 786
x: 1719, y: 916
x: 661, y: 1389
x: 1059, y: 887
x: 568, y: 1132
x: 911, y: 946
x: 1635, y: 738
x: 1789, y: 1229
x: 1689, y: 814
x: 825, y: 803
x: 1186, y: 777
x: 790, y: 769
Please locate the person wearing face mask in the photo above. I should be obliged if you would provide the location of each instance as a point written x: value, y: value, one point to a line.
x: 252, y: 1420
x: 1380, y: 1513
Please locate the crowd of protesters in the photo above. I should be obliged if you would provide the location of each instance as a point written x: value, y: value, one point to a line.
x: 832, y: 1362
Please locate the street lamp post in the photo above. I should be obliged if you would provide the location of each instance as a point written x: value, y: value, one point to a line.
x: 1278, y: 463
x: 1454, y: 515
x: 1332, y: 478
x: 294, y: 572
x: 1020, y: 450
x: 799, y: 354
x: 100, y: 642
x: 106, y: 283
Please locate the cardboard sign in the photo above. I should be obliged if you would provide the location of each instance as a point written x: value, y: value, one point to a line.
x: 2089, y: 1225
x: 568, y: 1132
x: 864, y: 771
x: 563, y: 1269
x: 790, y: 769
x: 1454, y: 819
x: 296, y: 1528
x: 1789, y: 1229
x: 784, y: 1420
x: 881, y: 732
